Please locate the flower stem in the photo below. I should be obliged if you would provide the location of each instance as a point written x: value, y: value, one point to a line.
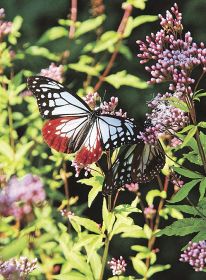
x: 104, y: 258
x: 107, y: 241
x: 73, y: 19
x: 120, y: 31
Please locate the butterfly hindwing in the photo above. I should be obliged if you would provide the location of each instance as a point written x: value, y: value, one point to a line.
x: 54, y: 100
x: 138, y: 163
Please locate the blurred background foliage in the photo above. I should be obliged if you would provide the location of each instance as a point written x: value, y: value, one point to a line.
x: 38, y: 17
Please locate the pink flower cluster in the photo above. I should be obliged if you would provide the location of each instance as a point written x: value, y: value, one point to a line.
x: 195, y: 255
x: 91, y: 99
x: 5, y: 26
x: 17, y: 269
x: 149, y: 211
x: 133, y: 187
x: 19, y: 195
x: 176, y: 55
x: 163, y: 119
x: 173, y: 56
x: 118, y: 266
x: 105, y: 107
x: 54, y: 72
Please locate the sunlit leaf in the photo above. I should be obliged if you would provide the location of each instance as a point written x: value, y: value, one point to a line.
x: 184, y: 227
x: 52, y: 34
x: 184, y: 191
x: 123, y: 79
x: 89, y: 25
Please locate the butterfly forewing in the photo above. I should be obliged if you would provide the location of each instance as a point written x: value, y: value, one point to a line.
x: 54, y: 100
x: 116, y: 131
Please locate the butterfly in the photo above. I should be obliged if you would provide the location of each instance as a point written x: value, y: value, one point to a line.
x: 73, y: 127
x: 137, y: 163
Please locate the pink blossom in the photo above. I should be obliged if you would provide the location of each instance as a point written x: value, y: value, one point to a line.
x: 118, y: 266
x: 54, y: 72
x: 19, y: 195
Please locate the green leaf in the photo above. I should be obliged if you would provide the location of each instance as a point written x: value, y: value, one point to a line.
x: 90, y: 70
x: 40, y: 51
x: 73, y: 275
x: 132, y: 23
x: 199, y: 237
x: 89, y: 25
x: 107, y: 40
x: 202, y: 124
x: 188, y: 173
x: 22, y: 150
x: 184, y: 191
x: 6, y: 150
x: 87, y: 224
x: 202, y: 188
x: 108, y: 217
x: 123, y: 79
x: 185, y: 209
x: 139, y: 4
x: 140, y: 248
x: 176, y: 102
x: 14, y: 248
x: 157, y: 268
x: 139, y: 266
x: 184, y: 227
x: 154, y: 193
x: 96, y: 183
x: 78, y: 262
x: 189, y: 136
x: 125, y: 209
x: 52, y: 34
x: 16, y: 25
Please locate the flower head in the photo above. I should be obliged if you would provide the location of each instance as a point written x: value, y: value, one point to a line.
x: 195, y: 255
x: 118, y: 266
x: 174, y: 55
x: 163, y: 119
x: 133, y: 187
x: 149, y: 211
x: 54, y: 72
x: 91, y: 99
x: 5, y: 26
x: 17, y: 269
x: 19, y: 195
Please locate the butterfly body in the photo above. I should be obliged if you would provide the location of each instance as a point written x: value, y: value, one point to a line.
x: 73, y: 127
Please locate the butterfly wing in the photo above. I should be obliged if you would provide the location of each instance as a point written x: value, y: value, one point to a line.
x: 147, y: 162
x: 138, y: 163
x: 54, y: 100
x: 116, y: 131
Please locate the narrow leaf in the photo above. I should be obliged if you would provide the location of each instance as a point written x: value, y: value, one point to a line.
x: 184, y: 191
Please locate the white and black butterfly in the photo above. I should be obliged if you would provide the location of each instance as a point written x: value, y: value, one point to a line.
x: 73, y: 126
x: 137, y: 163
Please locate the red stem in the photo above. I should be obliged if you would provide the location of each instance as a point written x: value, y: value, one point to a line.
x: 121, y: 29
x: 73, y: 19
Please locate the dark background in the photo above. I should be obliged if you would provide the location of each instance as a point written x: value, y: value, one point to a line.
x: 40, y: 15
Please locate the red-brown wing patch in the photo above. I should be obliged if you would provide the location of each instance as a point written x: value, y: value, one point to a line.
x: 91, y: 150
x: 57, y: 133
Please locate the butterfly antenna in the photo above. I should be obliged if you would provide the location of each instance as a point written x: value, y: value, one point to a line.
x: 105, y: 92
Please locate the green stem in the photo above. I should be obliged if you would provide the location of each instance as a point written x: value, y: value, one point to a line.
x: 104, y: 258
x: 107, y: 241
x: 201, y: 150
